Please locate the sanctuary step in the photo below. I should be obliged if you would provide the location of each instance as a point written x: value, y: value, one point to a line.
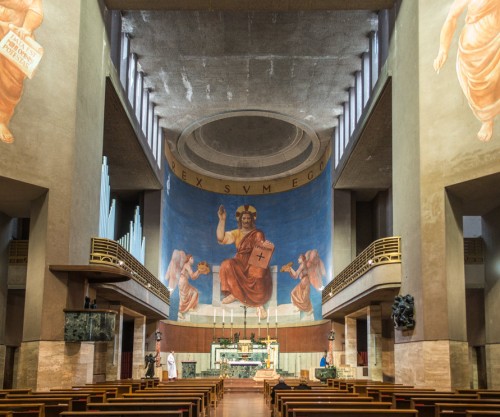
x: 242, y: 385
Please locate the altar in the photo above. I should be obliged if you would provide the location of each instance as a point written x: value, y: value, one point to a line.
x: 243, y: 359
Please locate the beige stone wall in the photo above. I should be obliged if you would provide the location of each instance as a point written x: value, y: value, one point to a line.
x: 44, y: 365
x: 493, y: 361
x: 58, y: 128
x: 2, y: 364
x: 426, y: 364
x: 434, y: 146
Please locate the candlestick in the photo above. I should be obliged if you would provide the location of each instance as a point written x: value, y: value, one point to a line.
x: 268, y: 312
x: 231, y: 316
x: 276, y: 315
x: 223, y: 315
x: 215, y: 312
x: 258, y: 313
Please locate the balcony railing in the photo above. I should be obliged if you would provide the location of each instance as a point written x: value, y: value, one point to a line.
x: 473, y: 250
x: 18, y: 252
x: 109, y: 252
x: 380, y: 252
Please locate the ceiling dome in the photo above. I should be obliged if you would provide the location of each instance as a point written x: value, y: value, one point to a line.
x: 248, y: 145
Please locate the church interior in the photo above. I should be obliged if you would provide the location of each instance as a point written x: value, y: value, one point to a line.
x: 231, y: 191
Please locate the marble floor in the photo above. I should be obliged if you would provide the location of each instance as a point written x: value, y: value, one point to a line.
x: 242, y: 404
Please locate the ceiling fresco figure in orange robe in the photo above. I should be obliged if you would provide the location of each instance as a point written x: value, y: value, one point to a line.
x: 478, y: 57
x: 21, y: 17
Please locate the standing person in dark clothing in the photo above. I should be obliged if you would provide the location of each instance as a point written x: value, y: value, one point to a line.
x: 302, y: 384
x: 280, y: 385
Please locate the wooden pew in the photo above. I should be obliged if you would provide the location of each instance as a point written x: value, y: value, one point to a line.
x: 167, y: 413
x: 53, y: 406
x: 482, y: 393
x: 460, y: 409
x: 328, y: 412
x: 121, y: 388
x: 268, y: 388
x: 481, y: 413
x: 96, y: 395
x: 217, y: 386
x: 134, y: 383
x: 403, y: 399
x: 110, y: 390
x: 172, y: 396
x: 323, y: 391
x: 196, y: 401
x: 426, y: 407
x: 385, y: 394
x: 24, y: 409
x: 283, y: 397
x: 289, y: 406
x: 362, y: 389
x: 185, y: 407
x: 489, y: 394
x: 5, y: 413
x: 78, y: 400
x: 209, y: 392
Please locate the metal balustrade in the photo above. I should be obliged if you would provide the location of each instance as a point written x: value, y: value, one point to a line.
x: 18, y: 252
x: 110, y: 252
x: 380, y: 252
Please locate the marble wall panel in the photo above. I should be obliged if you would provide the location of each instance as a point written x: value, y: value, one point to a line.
x: 493, y: 365
x: 438, y: 364
x: 139, y: 352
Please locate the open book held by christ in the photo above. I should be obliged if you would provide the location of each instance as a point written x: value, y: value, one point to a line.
x: 261, y: 254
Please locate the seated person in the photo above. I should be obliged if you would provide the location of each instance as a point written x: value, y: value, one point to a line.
x: 280, y: 385
x: 303, y: 384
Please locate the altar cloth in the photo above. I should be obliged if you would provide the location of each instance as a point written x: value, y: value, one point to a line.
x: 245, y: 363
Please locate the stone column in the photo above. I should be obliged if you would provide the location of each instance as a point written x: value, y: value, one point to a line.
x: 5, y: 235
x: 426, y: 216
x: 374, y: 326
x: 351, y: 345
x: 114, y: 357
x: 491, y: 235
x: 139, y: 354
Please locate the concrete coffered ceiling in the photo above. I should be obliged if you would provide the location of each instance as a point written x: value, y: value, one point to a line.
x: 248, y: 90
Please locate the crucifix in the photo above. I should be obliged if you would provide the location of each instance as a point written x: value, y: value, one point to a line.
x: 244, y: 307
x: 268, y: 342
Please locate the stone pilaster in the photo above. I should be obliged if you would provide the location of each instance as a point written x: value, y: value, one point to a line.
x: 3, y: 350
x: 43, y: 365
x: 114, y: 354
x: 439, y: 364
x: 493, y: 365
x: 351, y: 351
x: 139, y: 344
x: 374, y: 325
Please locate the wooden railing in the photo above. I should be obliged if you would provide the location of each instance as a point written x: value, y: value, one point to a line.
x: 382, y: 251
x: 18, y: 252
x: 110, y: 252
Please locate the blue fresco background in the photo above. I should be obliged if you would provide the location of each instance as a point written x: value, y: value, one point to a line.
x: 295, y: 221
